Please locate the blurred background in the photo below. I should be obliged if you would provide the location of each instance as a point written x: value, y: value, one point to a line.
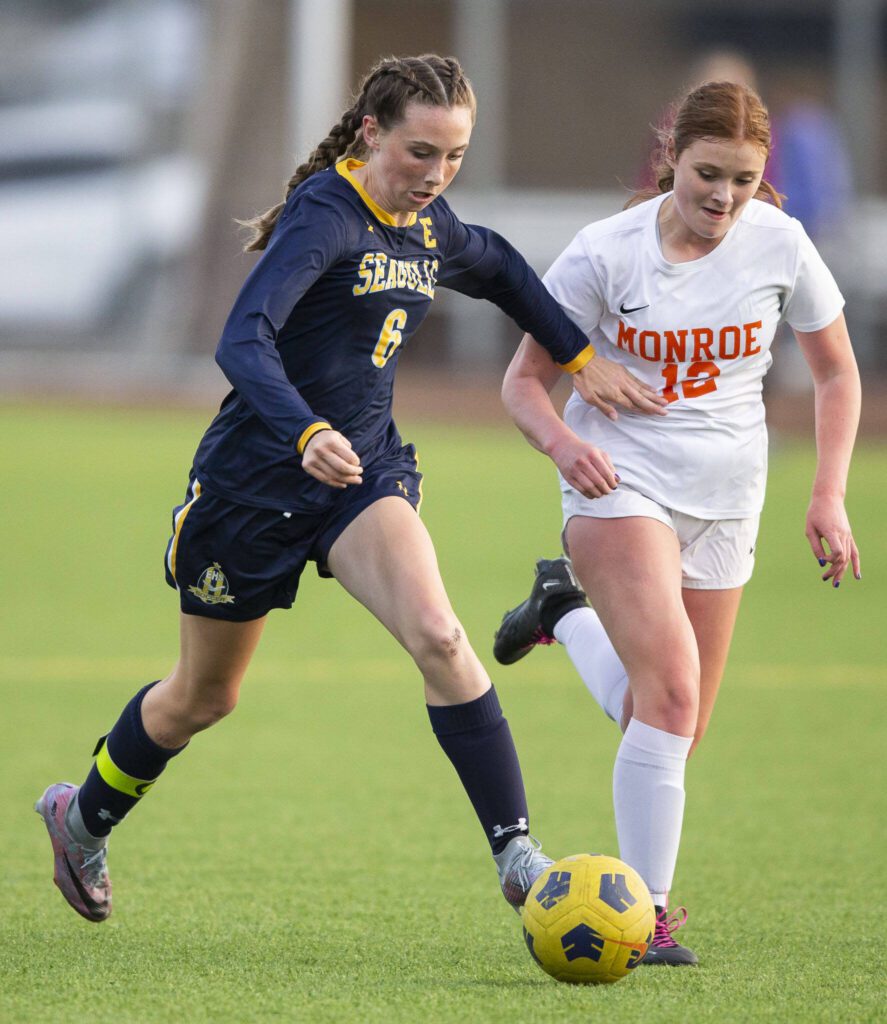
x: 132, y: 133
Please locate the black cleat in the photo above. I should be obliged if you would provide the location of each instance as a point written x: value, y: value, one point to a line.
x: 555, y: 588
x: 663, y: 949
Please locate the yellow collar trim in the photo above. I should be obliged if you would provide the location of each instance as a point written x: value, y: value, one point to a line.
x: 345, y: 167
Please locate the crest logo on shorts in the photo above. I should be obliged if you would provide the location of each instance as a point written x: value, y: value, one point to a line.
x: 212, y: 587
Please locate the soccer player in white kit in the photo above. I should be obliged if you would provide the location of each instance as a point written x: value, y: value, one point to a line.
x: 681, y: 294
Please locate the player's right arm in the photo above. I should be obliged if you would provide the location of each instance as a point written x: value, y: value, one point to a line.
x: 526, y: 395
x: 309, y: 239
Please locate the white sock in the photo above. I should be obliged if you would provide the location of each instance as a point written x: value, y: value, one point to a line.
x: 590, y: 650
x: 648, y: 796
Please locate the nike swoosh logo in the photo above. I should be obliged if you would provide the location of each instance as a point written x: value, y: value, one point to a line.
x: 90, y: 904
x: 549, y: 584
x: 633, y: 309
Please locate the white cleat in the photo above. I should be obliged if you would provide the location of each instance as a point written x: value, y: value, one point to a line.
x: 519, y: 865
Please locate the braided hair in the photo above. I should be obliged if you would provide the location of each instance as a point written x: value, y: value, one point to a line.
x: 713, y: 110
x: 384, y: 94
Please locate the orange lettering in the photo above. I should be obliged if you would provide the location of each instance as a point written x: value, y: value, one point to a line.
x: 727, y: 332
x: 693, y: 388
x: 670, y: 373
x: 752, y: 347
x: 700, y: 347
x: 642, y: 345
x: 626, y: 337
x: 676, y: 346
x: 700, y: 380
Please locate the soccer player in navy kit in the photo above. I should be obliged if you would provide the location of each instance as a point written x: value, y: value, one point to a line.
x: 304, y: 462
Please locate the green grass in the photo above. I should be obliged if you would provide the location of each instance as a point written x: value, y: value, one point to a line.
x: 313, y: 857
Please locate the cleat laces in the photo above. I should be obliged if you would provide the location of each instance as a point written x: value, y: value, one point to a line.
x: 94, y: 870
x: 541, y: 637
x: 526, y: 860
x: 666, y: 924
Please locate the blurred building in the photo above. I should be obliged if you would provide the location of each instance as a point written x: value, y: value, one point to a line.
x: 132, y: 135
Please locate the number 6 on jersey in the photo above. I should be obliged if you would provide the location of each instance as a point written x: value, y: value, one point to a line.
x: 389, y: 337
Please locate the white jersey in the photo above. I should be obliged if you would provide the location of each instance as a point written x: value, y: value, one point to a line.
x: 700, y: 334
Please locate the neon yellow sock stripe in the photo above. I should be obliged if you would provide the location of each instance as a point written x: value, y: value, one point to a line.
x: 119, y: 780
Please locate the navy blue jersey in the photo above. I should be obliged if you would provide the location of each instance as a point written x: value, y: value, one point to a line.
x: 315, y: 334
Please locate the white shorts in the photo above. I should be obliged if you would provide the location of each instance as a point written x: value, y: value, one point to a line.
x: 716, y: 554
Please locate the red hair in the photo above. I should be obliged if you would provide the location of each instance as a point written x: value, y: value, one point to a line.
x: 713, y: 110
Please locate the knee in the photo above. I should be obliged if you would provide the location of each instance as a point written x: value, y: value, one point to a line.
x: 436, y: 639
x: 204, y: 706
x: 211, y: 710
x: 679, y: 695
x: 670, y: 700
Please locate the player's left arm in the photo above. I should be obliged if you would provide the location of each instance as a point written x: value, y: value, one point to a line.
x: 829, y: 355
x: 482, y: 264
x: 487, y: 266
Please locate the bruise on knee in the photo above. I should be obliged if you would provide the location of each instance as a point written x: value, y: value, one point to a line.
x: 452, y: 643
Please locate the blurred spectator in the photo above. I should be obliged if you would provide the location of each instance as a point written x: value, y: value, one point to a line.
x: 723, y: 66
x: 810, y: 166
x: 719, y: 65
x: 810, y: 163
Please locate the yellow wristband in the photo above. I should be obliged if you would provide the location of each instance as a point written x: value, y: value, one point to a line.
x: 315, y: 428
x: 575, y: 364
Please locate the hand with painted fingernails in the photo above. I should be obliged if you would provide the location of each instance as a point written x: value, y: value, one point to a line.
x: 831, y: 538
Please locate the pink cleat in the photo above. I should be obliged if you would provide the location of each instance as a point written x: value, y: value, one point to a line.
x: 80, y: 872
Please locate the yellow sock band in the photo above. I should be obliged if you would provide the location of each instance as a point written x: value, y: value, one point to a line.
x: 118, y: 779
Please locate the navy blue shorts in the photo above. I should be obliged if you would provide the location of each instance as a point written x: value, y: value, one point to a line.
x: 237, y: 562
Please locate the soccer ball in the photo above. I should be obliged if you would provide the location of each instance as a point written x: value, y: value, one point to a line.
x: 588, y: 918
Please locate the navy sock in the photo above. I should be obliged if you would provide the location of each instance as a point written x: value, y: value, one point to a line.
x: 476, y: 738
x: 556, y: 607
x: 127, y: 764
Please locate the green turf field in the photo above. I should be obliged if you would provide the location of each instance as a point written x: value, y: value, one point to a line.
x: 313, y: 858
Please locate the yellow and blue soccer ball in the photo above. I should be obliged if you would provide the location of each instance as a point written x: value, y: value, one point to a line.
x: 588, y: 919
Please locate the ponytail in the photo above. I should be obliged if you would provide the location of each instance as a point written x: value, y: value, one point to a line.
x: 339, y: 140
